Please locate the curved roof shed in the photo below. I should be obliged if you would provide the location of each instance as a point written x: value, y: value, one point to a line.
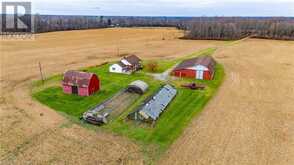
x: 138, y: 86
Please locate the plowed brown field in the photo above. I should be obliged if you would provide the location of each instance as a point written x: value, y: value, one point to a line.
x: 32, y: 133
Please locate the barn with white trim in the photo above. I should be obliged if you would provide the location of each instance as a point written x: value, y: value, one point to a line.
x: 201, y: 68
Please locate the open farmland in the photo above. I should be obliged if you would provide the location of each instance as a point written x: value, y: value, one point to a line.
x: 31, y: 132
x: 250, y: 121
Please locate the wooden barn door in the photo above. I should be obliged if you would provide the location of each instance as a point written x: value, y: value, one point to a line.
x: 75, y: 90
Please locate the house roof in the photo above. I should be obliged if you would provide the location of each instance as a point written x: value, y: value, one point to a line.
x: 206, y: 61
x: 77, y: 78
x: 121, y: 64
x: 133, y: 59
x: 157, y: 104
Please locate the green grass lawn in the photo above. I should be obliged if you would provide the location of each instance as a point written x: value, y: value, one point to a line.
x: 186, y: 105
x: 75, y: 105
x: 178, y: 114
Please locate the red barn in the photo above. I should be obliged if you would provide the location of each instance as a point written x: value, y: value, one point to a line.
x: 201, y: 68
x: 80, y: 83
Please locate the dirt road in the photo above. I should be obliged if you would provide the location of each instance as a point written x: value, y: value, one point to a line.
x: 32, y: 133
x: 251, y: 119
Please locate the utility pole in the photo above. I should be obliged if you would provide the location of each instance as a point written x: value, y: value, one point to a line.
x: 117, y: 51
x: 117, y: 47
x: 41, y: 73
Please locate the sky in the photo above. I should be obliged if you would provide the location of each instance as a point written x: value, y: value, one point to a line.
x: 164, y: 7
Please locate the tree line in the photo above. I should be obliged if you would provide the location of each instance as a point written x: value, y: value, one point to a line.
x: 47, y: 23
x: 216, y: 28
x: 231, y: 29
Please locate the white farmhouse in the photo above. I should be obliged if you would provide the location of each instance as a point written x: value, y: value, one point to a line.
x: 126, y: 65
x: 118, y: 68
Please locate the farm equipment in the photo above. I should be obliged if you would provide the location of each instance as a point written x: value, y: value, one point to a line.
x: 194, y: 86
x: 97, y: 115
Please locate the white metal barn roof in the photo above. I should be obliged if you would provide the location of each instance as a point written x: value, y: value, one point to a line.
x: 158, y: 103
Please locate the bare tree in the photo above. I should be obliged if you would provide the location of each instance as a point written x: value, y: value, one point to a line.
x: 152, y: 66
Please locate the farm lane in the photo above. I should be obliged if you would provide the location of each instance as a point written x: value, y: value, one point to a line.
x: 250, y: 121
x: 34, y: 134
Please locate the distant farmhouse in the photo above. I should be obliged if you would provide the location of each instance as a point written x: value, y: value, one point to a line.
x: 126, y: 65
x: 80, y: 83
x: 154, y: 106
x: 201, y: 68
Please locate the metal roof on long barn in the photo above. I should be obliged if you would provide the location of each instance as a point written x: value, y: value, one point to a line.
x: 154, y: 107
x: 206, y: 61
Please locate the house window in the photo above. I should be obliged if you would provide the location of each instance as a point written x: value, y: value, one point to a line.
x: 113, y: 68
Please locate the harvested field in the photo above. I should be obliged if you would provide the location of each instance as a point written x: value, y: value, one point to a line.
x: 32, y: 133
x: 251, y: 119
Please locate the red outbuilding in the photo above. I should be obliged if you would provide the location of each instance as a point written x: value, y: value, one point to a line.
x: 201, y: 68
x: 80, y: 83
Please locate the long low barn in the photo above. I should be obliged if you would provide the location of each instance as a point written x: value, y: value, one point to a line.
x: 102, y: 113
x: 202, y: 68
x: 151, y: 110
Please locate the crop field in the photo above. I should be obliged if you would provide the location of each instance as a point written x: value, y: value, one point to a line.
x: 25, y: 122
x: 248, y: 121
